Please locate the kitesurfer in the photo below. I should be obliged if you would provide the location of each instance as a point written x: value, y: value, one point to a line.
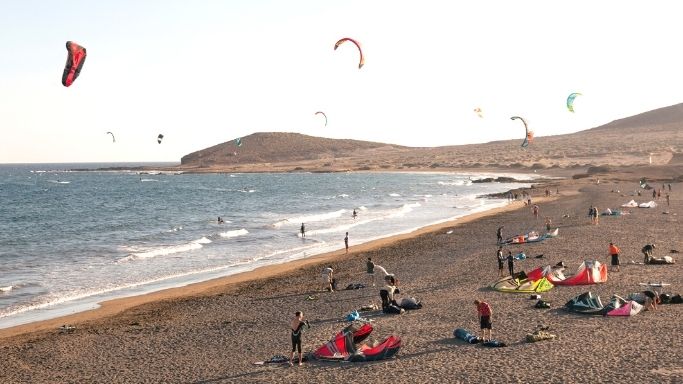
x: 484, y: 313
x: 354, y: 214
x: 511, y: 263
x: 303, y: 230
x: 614, y: 252
x: 220, y: 220
x: 296, y: 326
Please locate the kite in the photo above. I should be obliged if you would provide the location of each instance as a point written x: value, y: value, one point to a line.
x: 113, y: 139
x: 345, y: 39
x: 238, y: 142
x: 529, y: 134
x: 324, y: 115
x: 478, y: 112
x: 570, y: 101
x: 74, y: 63
x: 159, y: 138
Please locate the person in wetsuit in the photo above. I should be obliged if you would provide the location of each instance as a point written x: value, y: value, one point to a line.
x: 296, y: 326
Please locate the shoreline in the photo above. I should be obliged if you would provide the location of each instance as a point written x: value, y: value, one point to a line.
x: 112, y: 307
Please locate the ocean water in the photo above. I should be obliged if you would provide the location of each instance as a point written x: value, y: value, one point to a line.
x: 72, y: 239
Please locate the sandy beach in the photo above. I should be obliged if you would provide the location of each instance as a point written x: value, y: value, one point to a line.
x: 212, y: 332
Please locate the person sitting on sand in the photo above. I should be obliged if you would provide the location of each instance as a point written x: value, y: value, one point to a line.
x: 296, y: 326
x: 647, y: 252
x: 651, y: 299
x: 389, y: 304
x: 484, y: 313
x: 328, y: 278
x: 614, y: 252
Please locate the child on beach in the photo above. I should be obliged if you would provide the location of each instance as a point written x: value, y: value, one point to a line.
x: 614, y: 252
x: 296, y: 326
x: 484, y: 313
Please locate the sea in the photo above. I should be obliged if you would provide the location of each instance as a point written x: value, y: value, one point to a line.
x: 72, y: 239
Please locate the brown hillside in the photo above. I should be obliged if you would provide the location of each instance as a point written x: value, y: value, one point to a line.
x: 630, y: 141
x: 279, y: 147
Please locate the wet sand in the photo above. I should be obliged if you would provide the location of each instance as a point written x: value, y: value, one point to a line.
x: 212, y: 332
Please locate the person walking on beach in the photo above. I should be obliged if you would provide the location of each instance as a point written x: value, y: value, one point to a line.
x: 535, y: 211
x: 647, y: 252
x: 296, y: 326
x: 346, y: 242
x: 499, y: 234
x: 328, y: 278
x: 484, y: 313
x: 303, y: 230
x: 501, y: 259
x: 370, y: 268
x: 614, y: 252
x: 511, y: 263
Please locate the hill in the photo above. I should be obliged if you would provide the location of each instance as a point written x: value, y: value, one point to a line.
x: 655, y: 135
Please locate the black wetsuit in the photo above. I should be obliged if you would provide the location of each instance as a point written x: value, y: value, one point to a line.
x: 511, y: 265
x: 296, y: 337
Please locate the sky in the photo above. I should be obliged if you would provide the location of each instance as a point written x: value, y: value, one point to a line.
x: 205, y: 72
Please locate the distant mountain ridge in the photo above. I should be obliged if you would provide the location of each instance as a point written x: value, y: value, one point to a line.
x: 655, y: 135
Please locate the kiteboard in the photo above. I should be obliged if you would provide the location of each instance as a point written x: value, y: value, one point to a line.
x: 6, y: 289
x: 277, y: 359
x: 657, y: 285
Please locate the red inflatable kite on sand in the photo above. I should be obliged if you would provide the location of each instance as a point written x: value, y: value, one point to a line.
x: 74, y: 63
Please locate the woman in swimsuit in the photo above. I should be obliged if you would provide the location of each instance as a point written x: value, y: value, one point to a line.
x: 296, y: 326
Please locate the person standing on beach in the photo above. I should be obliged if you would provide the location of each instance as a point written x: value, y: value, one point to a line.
x: 354, y: 214
x: 296, y: 326
x: 501, y: 259
x: 484, y: 313
x: 328, y: 278
x: 614, y: 252
x: 303, y: 230
x: 548, y: 223
x: 346, y: 242
x: 370, y: 267
x: 535, y: 211
x: 511, y: 263
x: 668, y: 200
x: 499, y: 234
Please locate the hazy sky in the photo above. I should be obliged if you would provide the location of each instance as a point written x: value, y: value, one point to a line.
x: 205, y: 72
